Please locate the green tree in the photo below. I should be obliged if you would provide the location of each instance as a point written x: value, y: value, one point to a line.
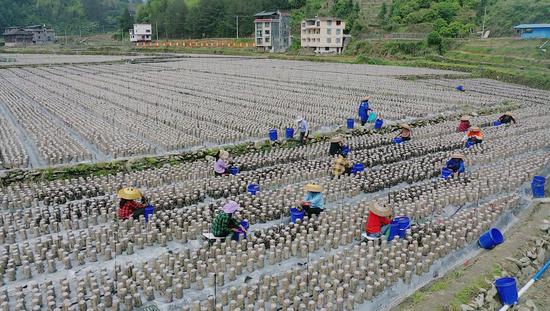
x: 125, y: 21
x: 383, y: 12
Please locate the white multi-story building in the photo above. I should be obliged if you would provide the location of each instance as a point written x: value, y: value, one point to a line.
x: 141, y: 33
x: 323, y: 34
x: 272, y: 31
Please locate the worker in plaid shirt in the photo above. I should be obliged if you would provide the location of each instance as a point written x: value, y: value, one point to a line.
x: 341, y: 164
x: 128, y: 207
x: 225, y: 223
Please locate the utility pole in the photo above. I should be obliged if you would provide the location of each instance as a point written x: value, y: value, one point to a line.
x: 483, y: 24
x: 237, y: 19
x: 157, y: 27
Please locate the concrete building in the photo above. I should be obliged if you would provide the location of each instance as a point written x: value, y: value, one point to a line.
x: 272, y: 31
x: 141, y: 33
x: 533, y: 31
x: 35, y: 34
x: 323, y: 34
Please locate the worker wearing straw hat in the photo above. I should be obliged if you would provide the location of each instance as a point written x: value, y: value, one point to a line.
x: 225, y: 222
x: 473, y: 136
x: 313, y: 202
x: 363, y: 110
x: 128, y: 207
x: 378, y: 220
x: 506, y: 118
x: 404, y: 132
x: 456, y: 163
x: 464, y: 124
x: 336, y: 145
x: 341, y: 164
x: 303, y: 128
x: 221, y: 166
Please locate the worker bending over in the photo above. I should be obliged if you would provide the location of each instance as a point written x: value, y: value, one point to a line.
x: 473, y: 136
x: 507, y: 118
x: 128, y: 207
x: 313, y: 202
x: 404, y: 132
x: 221, y: 166
x: 225, y: 222
x: 456, y: 163
x: 464, y: 124
x: 363, y: 110
x: 378, y: 221
x: 341, y: 164
x: 336, y: 145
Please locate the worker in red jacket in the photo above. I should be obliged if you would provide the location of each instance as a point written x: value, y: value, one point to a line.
x: 378, y: 221
x: 464, y: 124
x: 128, y: 207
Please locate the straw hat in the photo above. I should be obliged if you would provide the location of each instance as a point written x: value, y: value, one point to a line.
x: 475, y: 129
x: 465, y: 118
x: 405, y: 126
x: 458, y: 156
x: 382, y: 211
x: 231, y: 207
x: 366, y: 97
x: 129, y: 193
x: 224, y: 154
x: 508, y: 113
x: 299, y: 119
x: 313, y: 187
x: 336, y: 139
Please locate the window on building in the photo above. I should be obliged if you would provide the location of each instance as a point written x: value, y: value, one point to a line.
x: 267, y: 32
x: 318, y: 23
x: 337, y: 40
x: 147, y: 30
x: 329, y: 40
x: 329, y: 23
x: 259, y: 41
x: 329, y: 31
x: 259, y: 25
x: 326, y: 49
x: 338, y: 31
x: 258, y: 33
x: 266, y: 24
x: 304, y: 24
x: 338, y: 23
x: 266, y: 40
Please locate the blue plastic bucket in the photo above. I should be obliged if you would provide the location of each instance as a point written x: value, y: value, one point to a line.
x: 273, y: 135
x: 372, y: 117
x: 149, y: 210
x: 397, y: 140
x: 289, y: 133
x: 234, y: 170
x: 537, y: 186
x: 350, y: 123
x: 357, y: 168
x: 497, y: 123
x: 253, y: 189
x: 346, y: 149
x: 446, y: 173
x: 460, y: 88
x: 245, y: 224
x: 404, y: 223
x: 491, y: 238
x: 507, y: 290
x: 378, y: 124
x: 469, y: 144
x: 394, y: 230
x: 296, y: 214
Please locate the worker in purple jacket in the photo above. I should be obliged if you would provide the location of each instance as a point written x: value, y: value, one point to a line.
x: 221, y: 166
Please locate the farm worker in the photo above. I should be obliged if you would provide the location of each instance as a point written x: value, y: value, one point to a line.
x: 456, y: 163
x: 378, y: 220
x: 341, y: 164
x: 473, y: 136
x: 313, y: 202
x: 128, y: 207
x: 364, y: 110
x: 221, y: 166
x: 303, y: 127
x: 336, y: 145
x: 225, y: 222
x: 405, y: 132
x: 464, y: 124
x: 507, y: 118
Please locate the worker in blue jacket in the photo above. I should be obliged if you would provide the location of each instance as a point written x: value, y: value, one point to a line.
x: 456, y: 163
x: 364, y: 110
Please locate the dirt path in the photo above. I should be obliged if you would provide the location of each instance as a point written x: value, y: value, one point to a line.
x: 463, y: 284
